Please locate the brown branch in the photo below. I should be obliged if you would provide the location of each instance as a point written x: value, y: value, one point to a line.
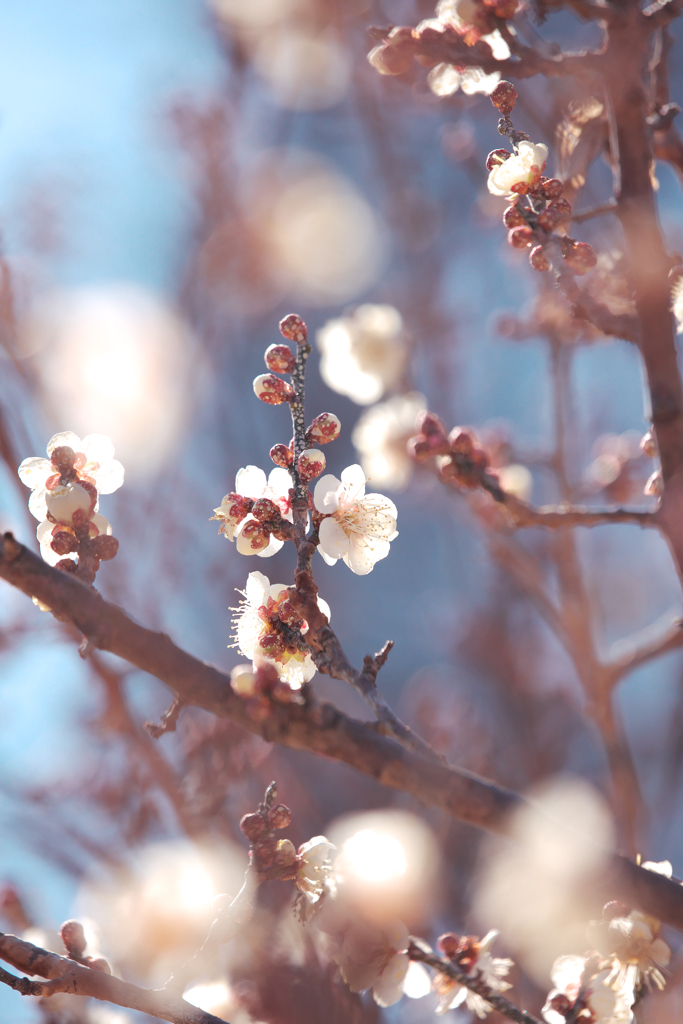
x: 314, y: 726
x: 660, y: 14
x: 596, y: 211
x: 649, y: 644
x: 553, y: 517
x: 67, y: 976
x: 169, y: 720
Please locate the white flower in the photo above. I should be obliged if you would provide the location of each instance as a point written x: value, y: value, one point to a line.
x: 363, y: 354
x: 639, y: 953
x: 251, y: 482
x: 377, y: 959
x: 94, y: 463
x: 315, y: 867
x: 360, y: 526
x: 380, y: 437
x: 520, y: 171
x: 597, y: 1000
x: 259, y: 640
x: 445, y: 80
x: 98, y: 525
x: 491, y: 970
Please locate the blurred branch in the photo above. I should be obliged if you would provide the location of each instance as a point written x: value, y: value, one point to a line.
x: 554, y: 517
x: 597, y: 211
x: 649, y: 644
x: 67, y: 976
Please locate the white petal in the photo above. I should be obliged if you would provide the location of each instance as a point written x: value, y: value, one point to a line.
x: 251, y: 482
x: 327, y: 493
x: 97, y: 448
x: 36, y: 503
x: 363, y: 554
x: 35, y: 471
x: 109, y: 477
x: 325, y: 557
x: 280, y: 482
x: 388, y: 988
x: 333, y: 540
x: 67, y: 439
x: 353, y: 479
x: 274, y: 546
x: 417, y: 981
x: 380, y: 502
x: 324, y: 607
x: 102, y: 524
x: 274, y: 591
x: 257, y: 585
x: 63, y: 502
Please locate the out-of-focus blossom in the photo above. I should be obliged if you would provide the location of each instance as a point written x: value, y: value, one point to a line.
x: 252, y: 483
x: 520, y: 172
x: 589, y: 997
x: 677, y: 304
x: 364, y: 353
x: 476, y: 961
x: 94, y: 463
x: 305, y: 70
x: 359, y: 527
x: 618, y: 467
x: 260, y: 640
x: 515, y: 479
x: 445, y: 80
x: 375, y: 958
x: 380, y: 437
x: 314, y: 867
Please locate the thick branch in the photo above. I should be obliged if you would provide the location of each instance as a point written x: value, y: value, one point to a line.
x: 67, y: 976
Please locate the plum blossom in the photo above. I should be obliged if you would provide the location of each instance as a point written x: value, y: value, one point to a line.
x: 98, y: 527
x: 251, y: 483
x: 314, y: 867
x: 358, y: 527
x: 491, y: 970
x: 519, y: 172
x: 93, y: 463
x: 259, y: 639
x: 591, y: 998
x: 364, y: 353
x: 375, y: 958
x: 380, y: 437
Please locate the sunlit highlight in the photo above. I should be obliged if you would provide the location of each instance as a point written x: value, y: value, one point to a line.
x: 375, y: 857
x: 213, y: 997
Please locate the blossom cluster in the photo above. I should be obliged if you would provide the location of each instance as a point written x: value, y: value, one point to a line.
x: 65, y: 489
x: 532, y: 221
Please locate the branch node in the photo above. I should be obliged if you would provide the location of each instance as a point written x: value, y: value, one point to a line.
x: 169, y: 720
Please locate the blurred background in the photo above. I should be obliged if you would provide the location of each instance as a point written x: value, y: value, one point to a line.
x: 174, y: 179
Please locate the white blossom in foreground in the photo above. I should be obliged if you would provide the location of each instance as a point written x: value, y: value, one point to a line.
x: 380, y: 437
x: 359, y: 527
x: 364, y: 353
x: 491, y: 970
x: 519, y: 172
x: 314, y: 867
x: 258, y: 638
x: 93, y: 463
x: 375, y: 958
x: 251, y: 482
x: 591, y: 999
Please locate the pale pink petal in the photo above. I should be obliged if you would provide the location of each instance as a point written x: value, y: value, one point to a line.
x: 326, y: 558
x: 36, y: 503
x: 327, y: 493
x: 333, y: 540
x: 251, y: 482
x: 274, y: 546
x: 67, y: 439
x: 363, y: 554
x: 35, y: 471
x: 388, y: 988
x: 257, y: 586
x: 109, y: 477
x: 102, y: 524
x: 274, y: 591
x: 353, y: 479
x: 280, y: 482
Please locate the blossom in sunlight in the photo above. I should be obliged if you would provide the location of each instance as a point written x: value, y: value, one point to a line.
x: 236, y: 510
x: 258, y: 635
x: 364, y: 353
x: 381, y: 435
x: 314, y: 867
x: 358, y: 527
x: 520, y: 172
x: 60, y: 535
x: 375, y: 958
x: 445, y: 80
x: 56, y: 482
x: 474, y: 958
x: 581, y: 995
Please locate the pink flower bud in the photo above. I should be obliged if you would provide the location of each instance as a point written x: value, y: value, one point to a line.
x: 552, y: 188
x: 449, y: 944
x: 310, y: 464
x: 63, y: 542
x: 73, y: 938
x: 562, y: 208
x: 252, y: 538
x: 265, y: 510
x: 280, y: 816
x: 272, y: 389
x: 549, y: 218
x: 461, y: 440
x: 62, y: 457
x: 243, y: 680
x: 504, y: 96
x: 105, y: 547
x: 429, y: 424
x: 280, y: 359
x: 581, y: 258
x: 538, y: 259
x: 323, y: 429
x: 513, y: 217
x: 282, y: 455
x: 272, y: 645
x: 263, y: 852
x: 390, y: 60
x: 520, y: 238
x: 655, y: 485
x: 293, y: 328
x: 496, y: 157
x: 648, y: 445
x: 253, y: 826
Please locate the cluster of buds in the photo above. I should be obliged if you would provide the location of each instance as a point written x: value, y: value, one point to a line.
x: 276, y: 857
x: 74, y: 940
x: 473, y: 19
x: 460, y: 458
x: 532, y: 222
x: 462, y: 950
x: 266, y: 521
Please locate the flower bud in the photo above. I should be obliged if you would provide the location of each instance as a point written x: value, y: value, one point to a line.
x: 243, y: 680
x: 67, y: 565
x: 280, y: 359
x: 581, y: 257
x: 265, y: 510
x: 552, y: 188
x: 252, y: 538
x: 279, y: 816
x: 98, y: 963
x: 253, y: 826
x: 62, y: 457
x: 73, y: 938
x: 549, y: 218
x: 562, y: 208
x: 419, y: 448
x: 63, y: 542
x: 648, y: 445
x: 449, y: 944
x: 513, y: 217
x: 520, y: 238
x: 538, y: 259
x: 293, y: 328
x: 272, y: 645
x: 285, y: 853
x: 446, y: 468
x: 496, y: 157
x: 461, y: 440
x: 561, y: 1004
x: 105, y: 547
x: 273, y: 390
x: 654, y: 486
x: 64, y: 502
x: 263, y: 852
x: 324, y: 428
x: 504, y: 96
x: 429, y: 424
x: 282, y: 455
x: 310, y: 464
x: 390, y: 60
